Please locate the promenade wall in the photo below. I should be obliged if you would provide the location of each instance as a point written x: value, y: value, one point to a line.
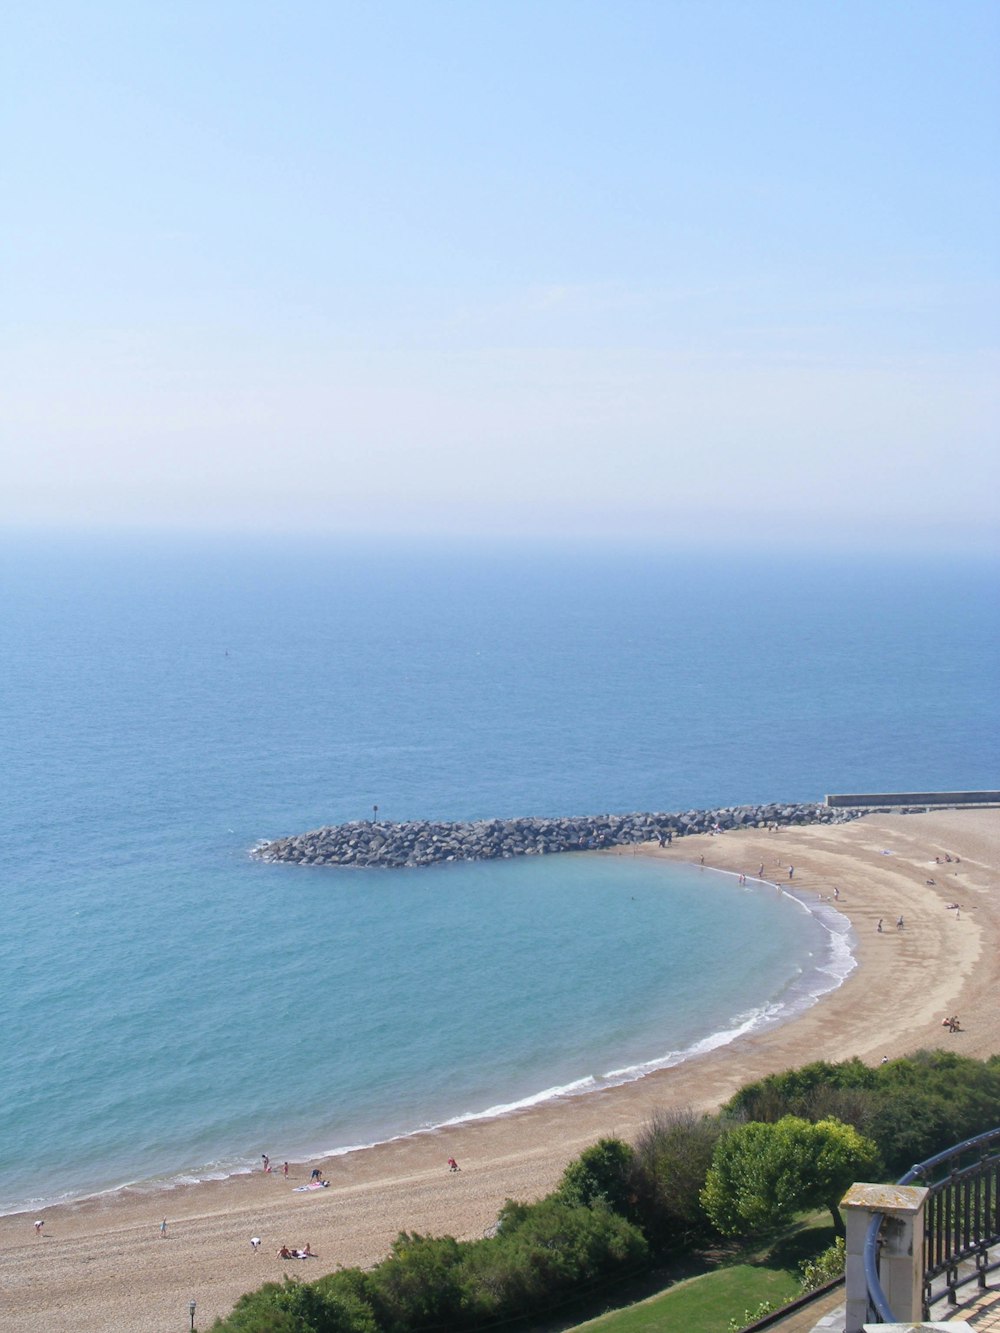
x: 888, y: 800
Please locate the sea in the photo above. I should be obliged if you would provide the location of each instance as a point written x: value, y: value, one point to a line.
x: 172, y: 1009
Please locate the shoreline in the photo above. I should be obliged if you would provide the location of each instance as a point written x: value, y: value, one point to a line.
x: 836, y: 967
x: 106, y: 1265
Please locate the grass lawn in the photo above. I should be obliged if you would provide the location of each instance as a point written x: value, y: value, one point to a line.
x: 705, y: 1304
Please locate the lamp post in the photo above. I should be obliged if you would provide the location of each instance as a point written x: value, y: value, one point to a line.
x: 191, y: 1310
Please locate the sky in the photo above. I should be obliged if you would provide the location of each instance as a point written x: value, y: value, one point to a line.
x: 722, y: 271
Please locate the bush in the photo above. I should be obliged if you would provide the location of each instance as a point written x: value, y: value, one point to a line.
x: 544, y: 1251
x: 671, y: 1160
x: 912, y: 1107
x: 801, y: 1091
x: 825, y: 1267
x: 296, y: 1307
x: 750, y: 1317
x: 932, y: 1100
x: 419, y: 1284
x: 600, y: 1175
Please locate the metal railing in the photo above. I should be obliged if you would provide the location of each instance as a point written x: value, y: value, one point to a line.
x: 961, y: 1224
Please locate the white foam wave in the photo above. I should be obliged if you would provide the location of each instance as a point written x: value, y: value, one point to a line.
x: 803, y: 992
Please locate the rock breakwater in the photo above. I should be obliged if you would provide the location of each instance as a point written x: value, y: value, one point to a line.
x: 421, y: 842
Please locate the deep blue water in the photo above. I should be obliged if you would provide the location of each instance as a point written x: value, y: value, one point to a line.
x: 172, y: 1007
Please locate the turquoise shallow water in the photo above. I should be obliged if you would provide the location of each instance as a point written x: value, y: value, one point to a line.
x: 174, y: 1009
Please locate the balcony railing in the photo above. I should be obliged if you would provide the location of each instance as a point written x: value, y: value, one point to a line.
x: 961, y: 1225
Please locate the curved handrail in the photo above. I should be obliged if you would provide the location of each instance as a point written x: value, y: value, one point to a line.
x: 876, y: 1296
x: 967, y: 1145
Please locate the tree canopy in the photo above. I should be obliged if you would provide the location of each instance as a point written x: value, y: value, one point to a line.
x: 763, y: 1173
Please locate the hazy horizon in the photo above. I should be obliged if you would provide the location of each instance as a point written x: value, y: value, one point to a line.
x: 691, y: 276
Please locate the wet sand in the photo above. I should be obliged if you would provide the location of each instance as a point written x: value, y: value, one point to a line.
x: 102, y: 1264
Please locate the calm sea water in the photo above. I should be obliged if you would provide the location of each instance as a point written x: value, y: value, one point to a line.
x: 172, y: 1009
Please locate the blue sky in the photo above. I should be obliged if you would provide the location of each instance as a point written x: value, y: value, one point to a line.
x: 692, y: 272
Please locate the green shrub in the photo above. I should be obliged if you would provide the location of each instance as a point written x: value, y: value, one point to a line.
x: 671, y: 1161
x: 750, y: 1317
x: 912, y: 1107
x: 544, y: 1251
x: 418, y: 1285
x: 601, y: 1174
x: 825, y: 1267
x: 296, y: 1307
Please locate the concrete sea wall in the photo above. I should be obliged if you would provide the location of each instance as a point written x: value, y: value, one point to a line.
x: 421, y: 842
x: 924, y: 799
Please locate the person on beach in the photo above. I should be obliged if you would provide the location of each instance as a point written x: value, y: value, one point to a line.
x: 255, y: 1243
x: 284, y: 1252
x: 316, y: 1173
x: 284, y: 1169
x: 163, y: 1229
x: 760, y: 872
x: 453, y: 1165
x: 879, y: 926
x: 899, y: 923
x: 836, y: 893
x: 38, y: 1227
x: 791, y: 871
x: 267, y: 1162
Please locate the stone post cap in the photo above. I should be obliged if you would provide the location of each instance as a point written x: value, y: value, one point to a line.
x: 900, y: 1199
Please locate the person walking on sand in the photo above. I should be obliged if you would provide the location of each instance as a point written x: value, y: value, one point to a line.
x: 255, y: 1243
x: 879, y: 926
x: 453, y: 1165
x: 38, y: 1227
x: 284, y: 1169
x: 163, y: 1229
x: 791, y: 872
x: 899, y: 923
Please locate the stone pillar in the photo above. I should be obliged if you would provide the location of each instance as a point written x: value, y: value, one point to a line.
x: 901, y: 1268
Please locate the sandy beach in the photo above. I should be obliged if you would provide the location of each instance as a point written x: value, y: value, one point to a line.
x: 103, y: 1263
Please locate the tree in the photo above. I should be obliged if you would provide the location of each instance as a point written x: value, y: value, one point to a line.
x: 599, y: 1175
x: 762, y: 1174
